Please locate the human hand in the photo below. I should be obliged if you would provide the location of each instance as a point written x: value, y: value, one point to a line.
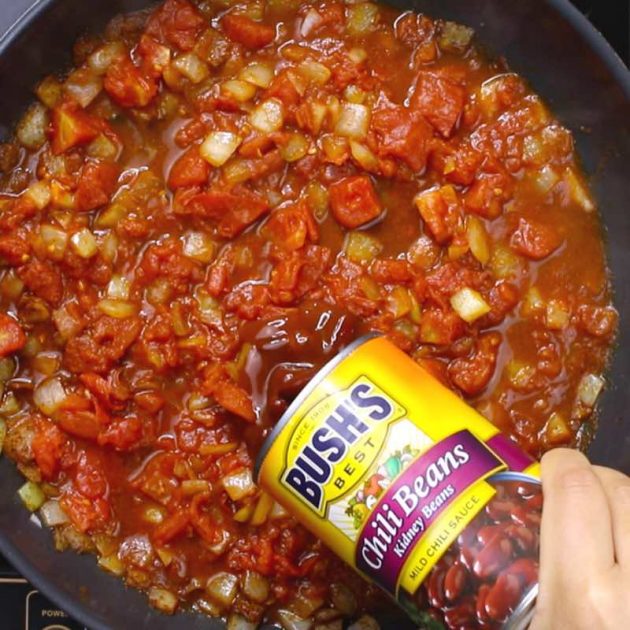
x: 585, y: 546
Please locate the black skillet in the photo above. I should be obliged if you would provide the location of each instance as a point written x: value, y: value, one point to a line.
x: 548, y: 41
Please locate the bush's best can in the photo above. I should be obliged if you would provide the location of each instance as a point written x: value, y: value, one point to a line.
x: 411, y: 487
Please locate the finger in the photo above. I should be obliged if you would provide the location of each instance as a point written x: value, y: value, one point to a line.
x: 576, y: 534
x: 617, y: 488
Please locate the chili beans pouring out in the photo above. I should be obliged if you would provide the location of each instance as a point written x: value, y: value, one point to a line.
x: 214, y: 202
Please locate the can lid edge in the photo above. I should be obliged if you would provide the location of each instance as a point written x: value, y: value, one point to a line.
x: 301, y: 397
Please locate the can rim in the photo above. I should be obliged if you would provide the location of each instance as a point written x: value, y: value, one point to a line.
x: 324, y: 371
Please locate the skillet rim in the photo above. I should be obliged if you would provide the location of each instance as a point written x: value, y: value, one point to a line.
x: 589, y: 35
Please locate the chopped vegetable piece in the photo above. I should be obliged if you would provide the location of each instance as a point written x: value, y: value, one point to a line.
x: 469, y: 304
x: 354, y: 202
x: 32, y: 496
x: 219, y: 146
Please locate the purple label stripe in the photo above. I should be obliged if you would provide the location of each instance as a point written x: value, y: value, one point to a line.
x: 415, y: 500
x: 510, y: 453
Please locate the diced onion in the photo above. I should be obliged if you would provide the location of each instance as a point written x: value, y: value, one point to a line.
x: 102, y: 147
x: 194, y: 486
x: 209, y: 309
x: 239, y: 485
x: 10, y: 405
x: 357, y: 55
x: 335, y: 148
x: 557, y: 431
x: 455, y: 37
x: 365, y: 623
x: 164, y: 600
x: 258, y: 74
x: 305, y: 605
x: 520, y: 374
x: 311, y: 20
x: 32, y: 496
x: 165, y: 555
x: 240, y: 91
x: 255, y: 586
x: 263, y: 507
x: 361, y: 18
x: 399, y: 302
x: 532, y: 302
x: 193, y: 68
x: 295, y: 148
x: 291, y: 621
x: 31, y: 130
x: 49, y: 395
x: 363, y: 156
x: 112, y: 563
x: 103, y: 57
x: 84, y: 243
x: 219, y: 146
x: 109, y: 246
x: 55, y: 241
x: 11, y: 285
x: 159, y: 291
x: 47, y: 363
x: 557, y: 316
x: 317, y: 196
x: 120, y: 309
x: 469, y: 304
x: 268, y: 116
x: 39, y: 193
x: 478, y: 239
x: 546, y: 178
x: 354, y: 121
x: 314, y: 72
x: 222, y: 588
x: 153, y: 515
x: 49, y: 91
x: 65, y: 321
x: 278, y: 512
x: 52, y: 514
x: 578, y: 191
x: 83, y: 86
x: 361, y: 247
x: 343, y: 599
x: 589, y: 389
x: 238, y: 622
x: 118, y: 288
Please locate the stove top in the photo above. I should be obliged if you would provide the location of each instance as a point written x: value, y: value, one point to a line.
x: 25, y: 608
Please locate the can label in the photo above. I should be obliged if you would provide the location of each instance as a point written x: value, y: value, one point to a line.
x: 385, y: 464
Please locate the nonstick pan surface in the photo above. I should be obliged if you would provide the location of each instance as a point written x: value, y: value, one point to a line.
x: 547, y: 41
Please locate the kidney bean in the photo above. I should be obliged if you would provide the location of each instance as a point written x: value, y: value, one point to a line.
x: 525, y: 538
x: 526, y: 569
x: 535, y: 502
x: 435, y: 589
x: 493, y: 557
x: 463, y: 614
x: 503, y: 596
x: 488, y: 532
x: 482, y: 595
x: 500, y: 510
x: 467, y: 557
x: 455, y: 581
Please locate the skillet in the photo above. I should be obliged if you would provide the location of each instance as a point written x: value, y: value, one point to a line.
x: 547, y: 41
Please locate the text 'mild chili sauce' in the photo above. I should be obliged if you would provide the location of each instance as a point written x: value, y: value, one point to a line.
x: 210, y: 206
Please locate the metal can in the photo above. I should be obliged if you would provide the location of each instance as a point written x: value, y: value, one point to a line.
x: 411, y: 487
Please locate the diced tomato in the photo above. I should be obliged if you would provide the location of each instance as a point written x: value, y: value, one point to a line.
x: 244, y: 30
x: 458, y: 165
x: 81, y: 417
x: 85, y: 514
x: 190, y: 169
x: 14, y: 249
x: 291, y: 227
x: 598, y: 321
x: 441, y: 212
x: 391, y: 271
x: 48, y: 444
x: 401, y: 134
x: 440, y: 100
x: 472, y: 374
x: 128, y: 85
x: 89, y: 477
x: 72, y: 126
x: 172, y: 526
x: 228, y: 394
x: 12, y: 337
x: 177, y: 22
x: 123, y: 434
x: 283, y: 89
x: 354, y: 202
x: 42, y: 279
x: 488, y: 194
x: 534, y: 239
x: 234, y: 211
x: 440, y: 326
x: 155, y: 56
x: 97, y: 182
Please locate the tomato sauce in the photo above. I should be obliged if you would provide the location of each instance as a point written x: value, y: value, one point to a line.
x: 212, y: 204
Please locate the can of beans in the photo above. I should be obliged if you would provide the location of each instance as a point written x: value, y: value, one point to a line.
x: 411, y: 487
